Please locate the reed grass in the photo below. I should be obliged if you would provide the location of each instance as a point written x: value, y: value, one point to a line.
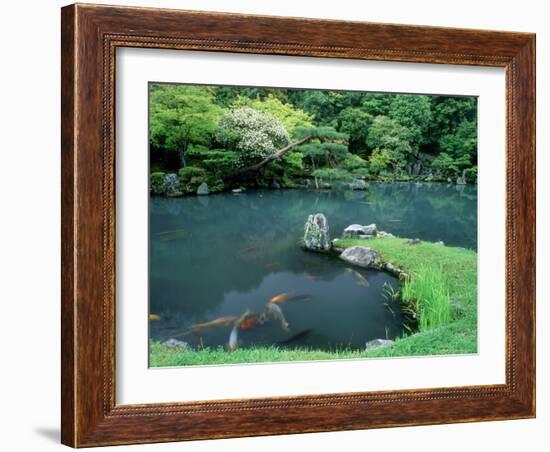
x: 426, y: 293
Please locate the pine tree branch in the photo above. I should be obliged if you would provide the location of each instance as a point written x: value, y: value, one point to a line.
x: 276, y: 155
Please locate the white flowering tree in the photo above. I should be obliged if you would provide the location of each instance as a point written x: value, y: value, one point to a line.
x: 254, y: 135
x: 258, y: 137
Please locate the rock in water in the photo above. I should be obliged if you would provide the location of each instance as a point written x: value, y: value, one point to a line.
x: 376, y: 343
x: 316, y: 236
x: 361, y: 256
x: 203, y: 189
x: 359, y: 231
x: 358, y: 184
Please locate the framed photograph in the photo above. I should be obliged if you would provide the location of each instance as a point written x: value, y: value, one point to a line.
x: 281, y: 225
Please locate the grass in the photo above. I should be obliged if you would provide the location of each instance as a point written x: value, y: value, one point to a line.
x: 443, y: 284
x: 162, y: 356
x: 426, y: 294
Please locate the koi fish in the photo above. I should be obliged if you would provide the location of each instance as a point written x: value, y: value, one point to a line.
x: 233, y: 343
x: 279, y: 298
x: 253, y: 321
x: 277, y: 313
x: 222, y: 321
x: 359, y: 278
x: 271, y: 264
x: 313, y: 277
x: 303, y: 297
x: 154, y: 317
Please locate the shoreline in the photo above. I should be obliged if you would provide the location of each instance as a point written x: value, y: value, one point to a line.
x: 244, y: 190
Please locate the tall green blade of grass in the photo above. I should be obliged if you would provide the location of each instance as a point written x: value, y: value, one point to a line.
x: 428, y: 292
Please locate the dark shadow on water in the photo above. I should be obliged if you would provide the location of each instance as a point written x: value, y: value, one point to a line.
x: 50, y: 433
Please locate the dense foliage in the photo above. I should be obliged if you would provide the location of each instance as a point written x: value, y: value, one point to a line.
x: 230, y: 137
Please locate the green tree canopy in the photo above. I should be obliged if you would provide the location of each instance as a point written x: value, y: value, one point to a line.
x: 414, y: 113
x: 386, y: 134
x: 181, y: 115
x: 355, y: 122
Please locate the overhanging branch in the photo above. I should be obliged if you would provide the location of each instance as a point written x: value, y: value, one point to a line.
x: 276, y: 155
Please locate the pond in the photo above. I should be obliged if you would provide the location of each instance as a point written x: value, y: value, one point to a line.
x: 217, y: 256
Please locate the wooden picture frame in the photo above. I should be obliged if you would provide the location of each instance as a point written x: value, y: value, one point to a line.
x: 90, y: 35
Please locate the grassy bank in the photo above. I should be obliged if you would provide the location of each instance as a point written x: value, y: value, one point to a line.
x: 459, y: 335
x: 162, y: 356
x: 459, y: 266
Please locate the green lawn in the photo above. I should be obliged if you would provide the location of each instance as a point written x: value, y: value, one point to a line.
x: 459, y: 266
x: 162, y: 356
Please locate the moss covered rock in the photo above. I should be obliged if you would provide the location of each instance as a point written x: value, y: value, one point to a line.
x: 316, y: 233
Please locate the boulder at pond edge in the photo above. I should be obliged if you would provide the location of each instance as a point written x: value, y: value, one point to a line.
x: 361, y: 256
x: 203, y: 189
x: 376, y: 343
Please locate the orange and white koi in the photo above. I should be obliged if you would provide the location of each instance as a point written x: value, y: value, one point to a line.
x: 277, y: 313
x: 222, y: 321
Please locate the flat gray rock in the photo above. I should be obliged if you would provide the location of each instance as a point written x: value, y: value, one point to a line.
x: 377, y: 343
x: 360, y: 231
x: 361, y: 256
x: 174, y: 343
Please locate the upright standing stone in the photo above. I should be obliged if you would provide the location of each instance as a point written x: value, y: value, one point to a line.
x: 203, y: 189
x: 461, y: 180
x: 171, y: 184
x: 316, y: 236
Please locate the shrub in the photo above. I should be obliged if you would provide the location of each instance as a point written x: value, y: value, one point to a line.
x: 157, y: 183
x: 379, y: 161
x: 357, y: 166
x: 293, y: 163
x: 426, y: 294
x: 215, y: 185
x: 219, y: 162
x: 471, y: 174
x: 191, y: 177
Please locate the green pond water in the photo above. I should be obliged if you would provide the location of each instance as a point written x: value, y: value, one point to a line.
x: 223, y: 254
